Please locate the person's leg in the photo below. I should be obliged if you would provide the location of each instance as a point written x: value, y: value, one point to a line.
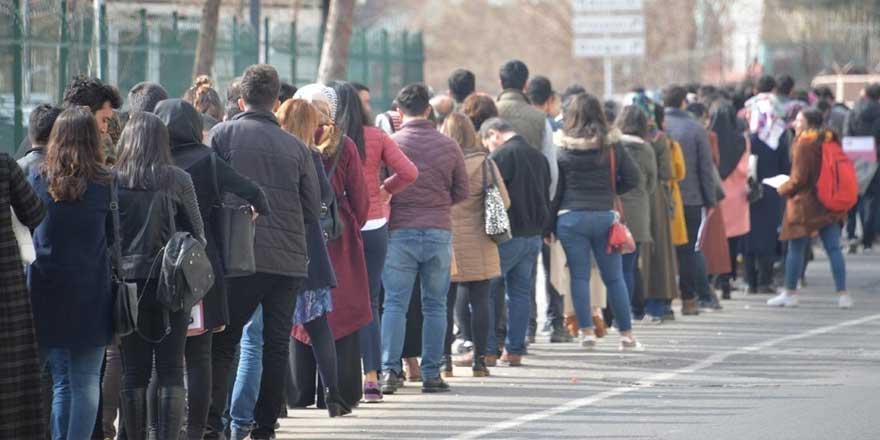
x: 496, y: 304
x: 171, y: 394
x: 324, y: 351
x: 398, y: 278
x: 198, y: 383
x: 451, y: 298
x: 478, y: 297
x: 629, y: 262
x: 58, y: 361
x: 247, y: 379
x: 110, y: 387
x: 611, y: 270
x: 137, y: 367
x: 555, y: 312
x: 851, y: 220
x: 794, y: 261
x: 533, y: 316
x: 831, y: 241
x: 434, y: 272
x: 572, y: 231
x: 765, y: 271
x: 85, y: 390
x: 348, y: 360
x: 278, y: 303
x: 304, y: 370
x: 412, y: 341
x: 869, y: 226
x: 519, y: 280
x: 462, y: 315
x: 375, y: 251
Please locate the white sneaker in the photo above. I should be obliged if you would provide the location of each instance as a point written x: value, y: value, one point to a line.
x: 588, y: 341
x: 784, y: 299
x: 630, y: 344
x: 844, y: 301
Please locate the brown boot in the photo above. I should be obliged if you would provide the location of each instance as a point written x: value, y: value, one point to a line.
x: 599, y: 327
x: 690, y: 307
x: 570, y: 323
x: 511, y: 360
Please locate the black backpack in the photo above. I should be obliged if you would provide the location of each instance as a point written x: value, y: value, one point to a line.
x: 186, y: 274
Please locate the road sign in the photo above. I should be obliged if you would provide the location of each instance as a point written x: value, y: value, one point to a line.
x: 598, y: 47
x: 592, y: 6
x: 608, y: 24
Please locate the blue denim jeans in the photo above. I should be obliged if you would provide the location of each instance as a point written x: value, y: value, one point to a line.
x: 581, y: 232
x: 411, y: 252
x: 794, y: 261
x: 250, y: 370
x: 76, y: 388
x: 630, y: 263
x: 375, y: 250
x: 519, y: 259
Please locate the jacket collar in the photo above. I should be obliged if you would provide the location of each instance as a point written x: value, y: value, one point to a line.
x: 677, y: 112
x: 418, y: 124
x: 578, y: 144
x: 514, y: 95
x: 260, y: 115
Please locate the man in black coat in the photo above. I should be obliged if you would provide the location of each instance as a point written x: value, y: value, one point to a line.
x: 256, y: 146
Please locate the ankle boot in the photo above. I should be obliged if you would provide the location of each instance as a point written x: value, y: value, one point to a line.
x: 336, y: 407
x: 134, y: 413
x: 170, y: 406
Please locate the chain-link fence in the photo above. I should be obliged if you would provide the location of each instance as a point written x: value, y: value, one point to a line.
x: 44, y: 43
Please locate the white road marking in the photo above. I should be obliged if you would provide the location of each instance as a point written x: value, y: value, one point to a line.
x: 654, y: 379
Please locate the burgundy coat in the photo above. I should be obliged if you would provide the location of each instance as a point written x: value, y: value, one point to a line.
x: 351, y: 297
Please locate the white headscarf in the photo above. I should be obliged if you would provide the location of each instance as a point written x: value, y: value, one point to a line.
x: 319, y: 92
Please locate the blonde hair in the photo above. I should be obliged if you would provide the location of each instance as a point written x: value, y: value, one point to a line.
x: 299, y: 118
x: 460, y: 128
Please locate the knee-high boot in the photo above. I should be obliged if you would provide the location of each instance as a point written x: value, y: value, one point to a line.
x: 171, y: 407
x: 134, y: 413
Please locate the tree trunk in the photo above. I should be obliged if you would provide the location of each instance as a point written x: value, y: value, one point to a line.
x: 334, y: 54
x: 207, y: 44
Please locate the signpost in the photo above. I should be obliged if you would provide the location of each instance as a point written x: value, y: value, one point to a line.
x: 608, y: 29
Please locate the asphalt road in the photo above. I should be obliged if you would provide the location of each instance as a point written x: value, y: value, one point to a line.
x: 747, y: 372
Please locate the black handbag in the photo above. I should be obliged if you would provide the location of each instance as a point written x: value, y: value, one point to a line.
x: 756, y: 190
x: 331, y: 223
x: 236, y: 231
x: 125, y: 294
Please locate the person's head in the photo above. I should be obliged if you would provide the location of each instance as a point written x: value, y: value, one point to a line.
x: 74, y: 156
x: 100, y: 98
x: 766, y: 84
x: 414, y: 101
x: 204, y: 98
x: 479, y: 108
x: 286, y: 91
x: 699, y: 111
x: 323, y: 98
x: 610, y: 107
x: 808, y: 119
x: 233, y: 95
x: 675, y: 96
x: 801, y: 95
x: 367, y: 107
x: 259, y: 87
x: 144, y: 153
x: 872, y: 91
x: 443, y: 106
x: 633, y: 121
x: 299, y: 118
x: 144, y: 96
x: 462, y: 83
x: 823, y: 106
x: 40, y: 124
x: 460, y: 128
x: 784, y: 85
x: 570, y: 92
x: 824, y: 93
x: 585, y: 118
x: 707, y: 93
x: 540, y: 92
x: 495, y: 132
x: 349, y: 113
x: 184, y: 122
x: 514, y: 74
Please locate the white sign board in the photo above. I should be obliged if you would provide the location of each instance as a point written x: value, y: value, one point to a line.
x: 608, y: 24
x: 599, y: 47
x: 591, y: 6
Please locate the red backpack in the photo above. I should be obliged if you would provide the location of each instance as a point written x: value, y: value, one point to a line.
x: 837, y: 187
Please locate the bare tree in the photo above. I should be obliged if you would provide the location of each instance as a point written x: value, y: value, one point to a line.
x: 334, y: 53
x: 207, y: 44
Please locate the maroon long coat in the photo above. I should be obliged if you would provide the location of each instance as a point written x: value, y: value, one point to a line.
x: 351, y: 297
x: 715, y: 246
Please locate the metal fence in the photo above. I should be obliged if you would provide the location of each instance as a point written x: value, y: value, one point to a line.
x: 43, y: 45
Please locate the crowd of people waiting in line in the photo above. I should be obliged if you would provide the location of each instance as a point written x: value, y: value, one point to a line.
x: 373, y: 245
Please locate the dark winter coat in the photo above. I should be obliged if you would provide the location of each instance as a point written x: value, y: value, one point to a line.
x: 698, y: 186
x: 526, y: 175
x: 766, y: 213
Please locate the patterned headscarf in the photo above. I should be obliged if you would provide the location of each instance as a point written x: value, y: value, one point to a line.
x: 643, y: 102
x: 319, y: 92
x: 766, y: 117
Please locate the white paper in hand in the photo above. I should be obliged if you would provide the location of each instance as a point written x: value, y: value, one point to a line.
x: 776, y: 181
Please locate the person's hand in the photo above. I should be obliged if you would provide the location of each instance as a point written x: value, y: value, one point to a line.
x: 384, y: 195
x: 254, y: 214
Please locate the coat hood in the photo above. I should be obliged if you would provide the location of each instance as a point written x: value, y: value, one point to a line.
x: 183, y: 121
x: 566, y: 142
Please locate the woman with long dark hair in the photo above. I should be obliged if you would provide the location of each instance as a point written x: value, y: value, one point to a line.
x: 584, y: 206
x: 156, y: 199
x: 70, y: 279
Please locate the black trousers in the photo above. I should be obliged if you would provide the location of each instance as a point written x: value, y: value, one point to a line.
x: 412, y: 343
x: 692, y: 279
x: 307, y: 384
x: 199, y: 376
x: 759, y: 270
x: 475, y: 297
x: 277, y: 295
x: 555, y: 305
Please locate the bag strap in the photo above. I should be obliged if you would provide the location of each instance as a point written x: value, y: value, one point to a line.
x: 618, y: 205
x: 116, y: 249
x: 214, y: 179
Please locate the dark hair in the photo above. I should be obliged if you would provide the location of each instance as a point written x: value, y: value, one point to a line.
x: 260, y: 86
x: 633, y: 121
x: 873, y: 91
x: 144, y: 96
x: 497, y: 124
x: 801, y: 95
x: 479, y: 108
x: 40, y: 123
x: 823, y: 106
x: 824, y: 92
x: 462, y: 84
x: 359, y: 87
x: 610, y: 107
x: 286, y: 91
x: 674, y: 95
x: 659, y: 116
x: 785, y: 84
x: 584, y: 118
x: 708, y: 93
x: 815, y: 118
x: 349, y: 113
x: 414, y: 100
x: 233, y: 93
x: 204, y: 98
x: 514, y: 75
x: 765, y: 84
x: 144, y: 153
x: 74, y: 156
x: 570, y: 92
x: 697, y: 109
x: 90, y: 92
x: 692, y: 87
x: 539, y: 90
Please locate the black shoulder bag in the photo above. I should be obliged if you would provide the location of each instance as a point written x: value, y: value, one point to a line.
x: 125, y: 294
x: 235, y: 231
x: 331, y: 223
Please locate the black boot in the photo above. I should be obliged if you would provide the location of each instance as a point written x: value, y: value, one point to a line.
x: 336, y: 407
x: 170, y: 406
x: 134, y: 413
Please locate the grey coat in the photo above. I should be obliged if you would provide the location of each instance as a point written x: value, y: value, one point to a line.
x: 698, y: 186
x: 637, y: 202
